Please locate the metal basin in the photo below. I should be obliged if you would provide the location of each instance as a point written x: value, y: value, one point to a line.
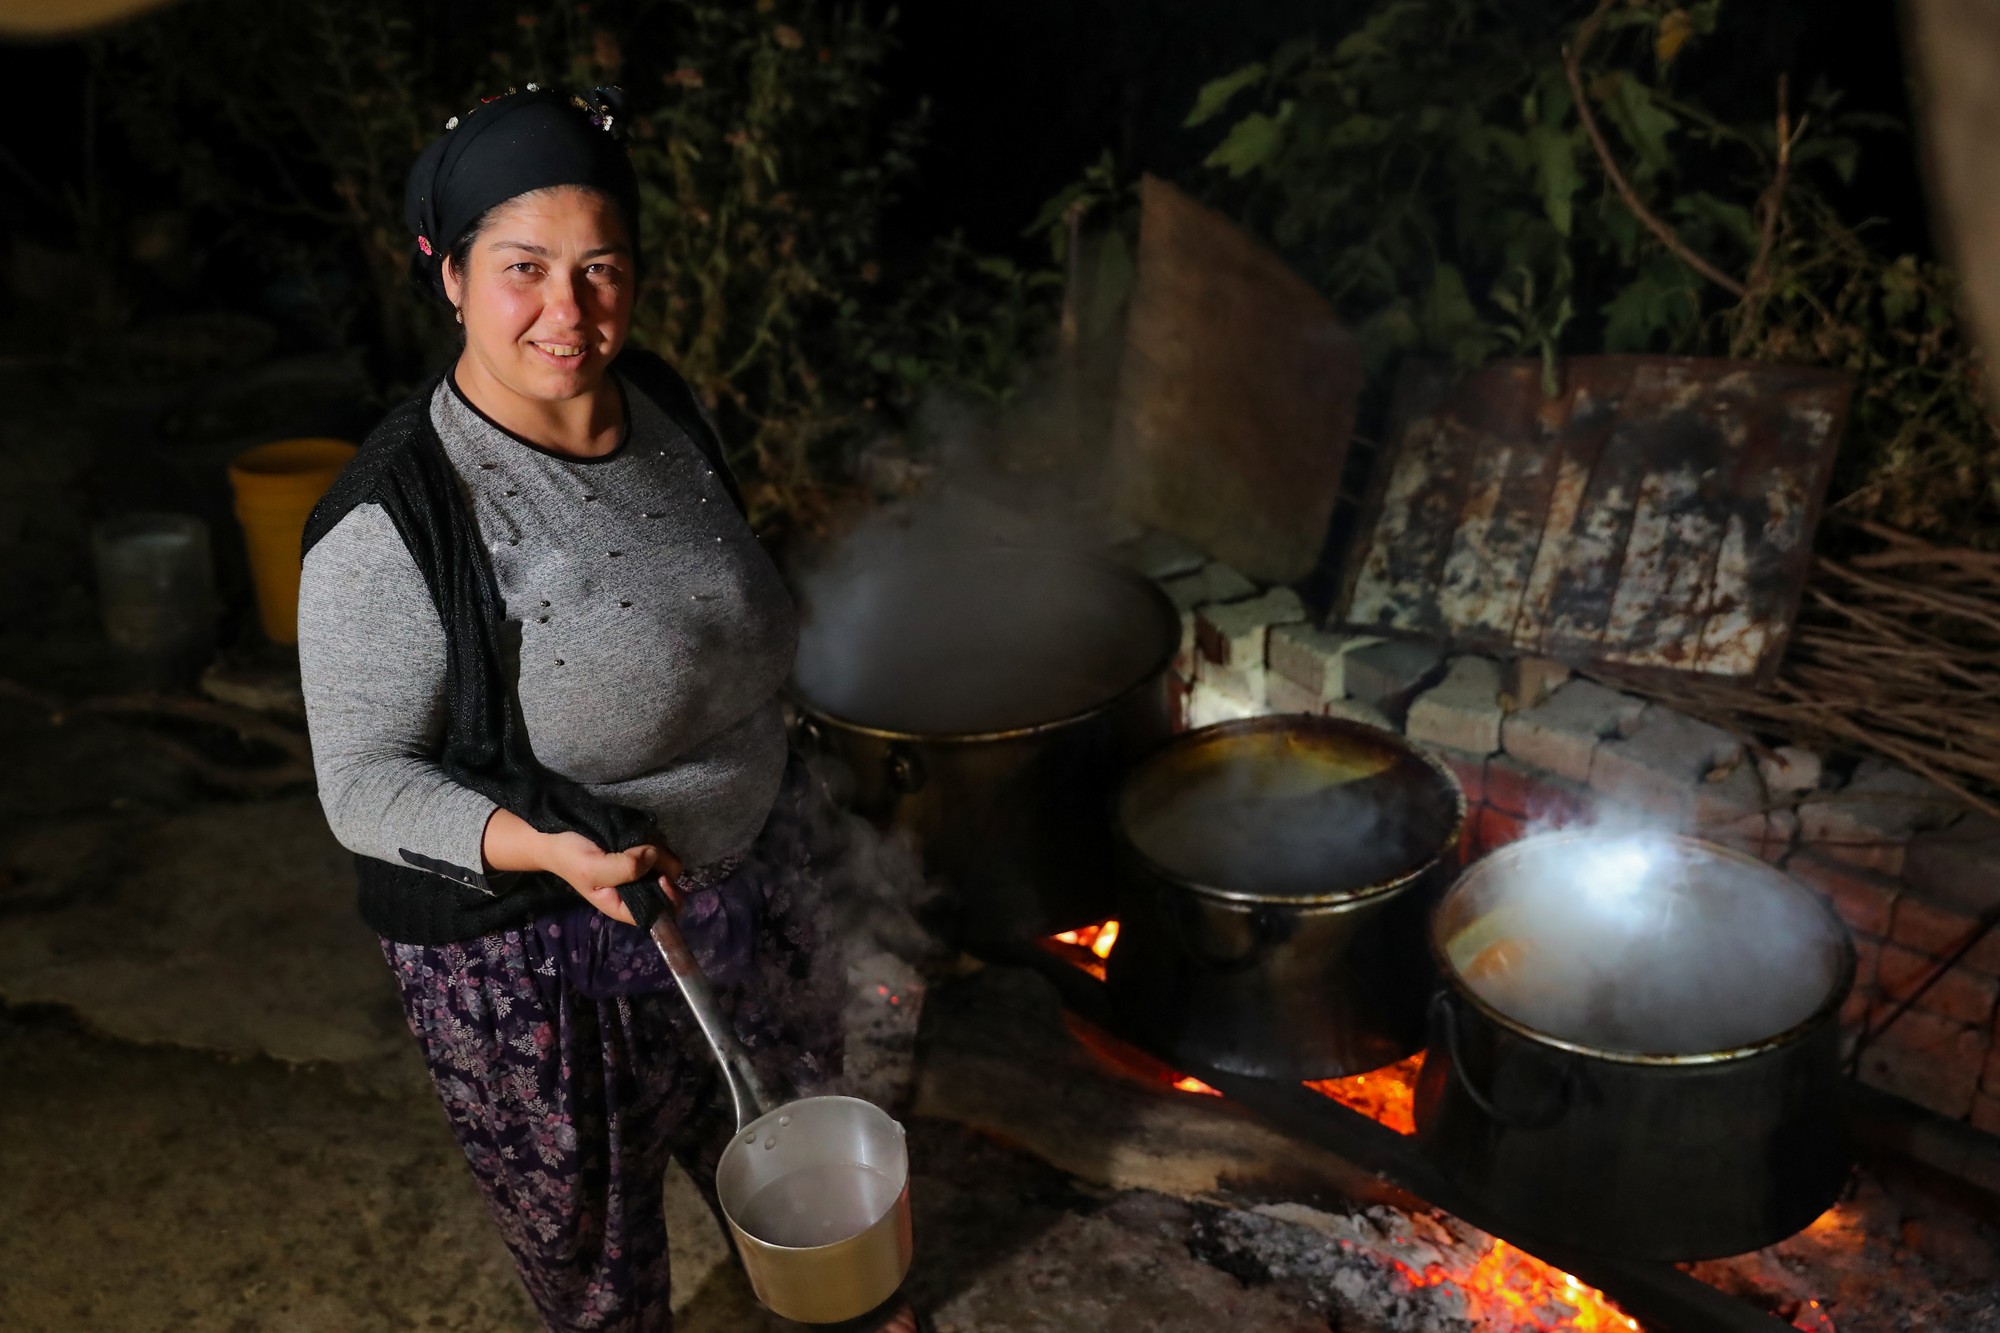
x: 1636, y: 1049
x: 988, y: 702
x: 1275, y: 875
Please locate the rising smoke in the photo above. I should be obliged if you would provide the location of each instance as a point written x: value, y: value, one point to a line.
x: 977, y: 605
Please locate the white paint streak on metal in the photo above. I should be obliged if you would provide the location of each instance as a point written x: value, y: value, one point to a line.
x: 1468, y: 587
x: 1373, y: 590
x: 1642, y: 596
x: 1732, y: 640
x: 1565, y: 502
x: 1590, y: 558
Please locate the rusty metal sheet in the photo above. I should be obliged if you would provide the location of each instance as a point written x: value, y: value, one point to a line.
x: 1656, y: 513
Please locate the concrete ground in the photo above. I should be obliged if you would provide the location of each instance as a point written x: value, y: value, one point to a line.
x: 215, y: 1122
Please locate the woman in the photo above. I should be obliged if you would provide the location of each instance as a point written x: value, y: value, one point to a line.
x: 541, y: 651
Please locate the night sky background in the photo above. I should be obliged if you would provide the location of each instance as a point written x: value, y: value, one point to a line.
x: 1025, y: 93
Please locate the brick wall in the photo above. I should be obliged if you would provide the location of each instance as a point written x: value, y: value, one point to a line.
x: 1904, y: 866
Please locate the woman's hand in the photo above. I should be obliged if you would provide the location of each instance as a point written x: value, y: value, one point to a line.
x: 596, y: 874
x: 511, y: 843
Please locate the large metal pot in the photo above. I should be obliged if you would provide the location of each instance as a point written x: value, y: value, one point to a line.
x: 1637, y: 1048
x: 988, y: 702
x: 1251, y: 941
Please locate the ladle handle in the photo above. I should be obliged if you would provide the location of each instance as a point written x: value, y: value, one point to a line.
x: 746, y: 1090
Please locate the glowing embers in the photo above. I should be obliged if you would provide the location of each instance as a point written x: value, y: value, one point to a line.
x: 1387, y: 1095
x: 1502, y: 1288
x: 1508, y: 1288
x: 1086, y: 946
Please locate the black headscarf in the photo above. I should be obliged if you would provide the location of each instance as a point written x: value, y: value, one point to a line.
x: 507, y: 146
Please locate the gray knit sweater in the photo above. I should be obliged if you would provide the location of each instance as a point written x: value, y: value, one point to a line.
x: 648, y: 635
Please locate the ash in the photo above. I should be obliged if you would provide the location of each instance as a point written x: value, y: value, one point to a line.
x: 1348, y: 1268
x: 1892, y: 1257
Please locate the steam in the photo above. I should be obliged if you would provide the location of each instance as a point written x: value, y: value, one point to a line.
x: 873, y: 881
x: 977, y: 604
x: 1637, y: 942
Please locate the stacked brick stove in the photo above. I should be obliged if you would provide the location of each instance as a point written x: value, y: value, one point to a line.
x: 1903, y: 863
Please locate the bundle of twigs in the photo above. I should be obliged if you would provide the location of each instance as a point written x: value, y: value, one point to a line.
x: 1896, y: 653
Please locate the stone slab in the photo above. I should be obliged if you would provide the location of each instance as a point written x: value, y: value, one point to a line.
x: 1562, y: 734
x: 1213, y: 582
x: 1657, y: 766
x: 1387, y: 675
x: 1314, y: 659
x: 1355, y: 710
x: 1871, y: 820
x: 1527, y: 682
x: 1790, y: 768
x: 1283, y: 695
x: 1234, y: 634
x: 1207, y: 705
x: 1462, y: 710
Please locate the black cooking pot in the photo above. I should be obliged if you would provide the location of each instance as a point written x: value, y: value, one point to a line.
x: 1275, y: 876
x: 988, y: 701
x: 1637, y: 1047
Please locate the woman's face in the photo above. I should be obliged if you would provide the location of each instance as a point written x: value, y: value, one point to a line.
x: 546, y: 292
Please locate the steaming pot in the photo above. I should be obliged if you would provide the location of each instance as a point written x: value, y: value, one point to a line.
x: 1636, y: 1050
x: 1025, y: 683
x: 1321, y: 975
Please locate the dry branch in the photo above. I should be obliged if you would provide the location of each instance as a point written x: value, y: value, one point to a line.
x: 1896, y: 653
x: 1573, y: 69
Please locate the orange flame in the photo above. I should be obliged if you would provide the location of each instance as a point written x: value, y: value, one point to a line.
x: 1388, y: 1095
x: 1097, y: 940
x: 1516, y: 1290
x: 1505, y: 1286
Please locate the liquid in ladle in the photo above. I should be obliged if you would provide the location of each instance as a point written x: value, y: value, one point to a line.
x: 818, y: 1205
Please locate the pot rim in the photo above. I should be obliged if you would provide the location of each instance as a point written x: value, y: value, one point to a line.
x: 1293, y: 722
x: 1170, y: 621
x: 737, y: 1145
x: 1830, y: 1005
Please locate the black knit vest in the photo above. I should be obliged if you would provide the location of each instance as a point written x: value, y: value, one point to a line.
x: 402, y: 467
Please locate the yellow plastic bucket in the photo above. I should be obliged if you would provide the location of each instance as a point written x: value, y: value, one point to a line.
x: 276, y: 486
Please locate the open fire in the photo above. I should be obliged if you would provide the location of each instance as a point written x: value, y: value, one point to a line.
x: 1504, y: 1287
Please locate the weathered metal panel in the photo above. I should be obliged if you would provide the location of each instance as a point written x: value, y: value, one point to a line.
x: 1656, y: 513
x: 1236, y: 394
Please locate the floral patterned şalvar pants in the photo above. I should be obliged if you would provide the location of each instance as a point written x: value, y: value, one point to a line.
x: 571, y: 1071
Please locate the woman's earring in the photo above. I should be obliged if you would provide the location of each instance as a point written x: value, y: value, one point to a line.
x: 458, y: 313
